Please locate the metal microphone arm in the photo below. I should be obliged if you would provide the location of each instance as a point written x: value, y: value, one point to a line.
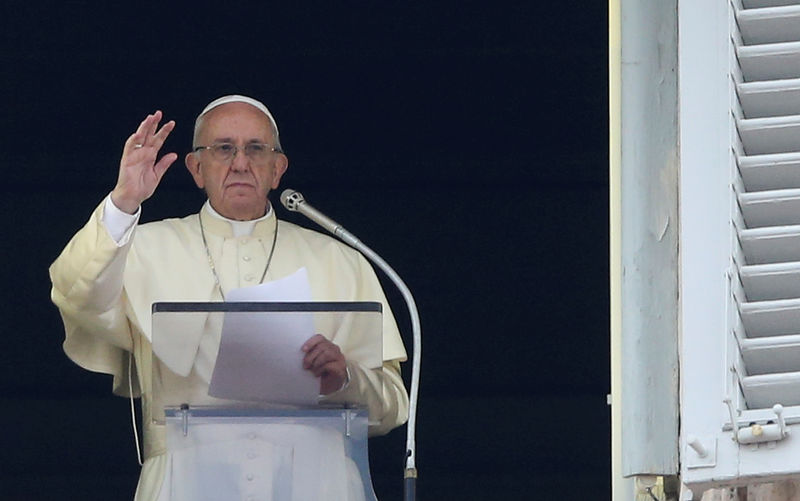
x: 294, y: 201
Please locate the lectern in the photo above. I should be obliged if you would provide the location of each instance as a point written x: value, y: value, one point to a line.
x: 224, y: 386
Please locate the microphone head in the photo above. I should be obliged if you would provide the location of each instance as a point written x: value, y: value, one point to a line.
x: 291, y: 199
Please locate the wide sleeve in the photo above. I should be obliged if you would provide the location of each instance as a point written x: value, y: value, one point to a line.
x: 381, y: 390
x: 87, y: 280
x: 369, y: 289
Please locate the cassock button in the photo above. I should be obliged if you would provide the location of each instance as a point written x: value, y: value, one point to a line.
x: 246, y: 258
x: 250, y: 477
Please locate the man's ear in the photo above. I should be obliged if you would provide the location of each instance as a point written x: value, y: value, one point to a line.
x: 281, y: 164
x: 193, y: 165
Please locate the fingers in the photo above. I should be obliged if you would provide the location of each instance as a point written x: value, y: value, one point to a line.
x: 161, y: 136
x: 322, y: 355
x: 162, y: 165
x: 139, y: 138
x: 325, y: 360
x: 148, y: 134
x: 313, y: 341
x: 148, y: 127
x: 142, y: 146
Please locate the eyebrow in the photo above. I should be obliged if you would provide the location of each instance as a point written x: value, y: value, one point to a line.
x: 231, y: 140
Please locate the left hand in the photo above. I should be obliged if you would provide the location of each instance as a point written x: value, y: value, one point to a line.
x: 326, y: 361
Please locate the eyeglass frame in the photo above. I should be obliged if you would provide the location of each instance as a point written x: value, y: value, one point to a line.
x: 236, y: 149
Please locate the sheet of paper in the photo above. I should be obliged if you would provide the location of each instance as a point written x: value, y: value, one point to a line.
x: 259, y: 354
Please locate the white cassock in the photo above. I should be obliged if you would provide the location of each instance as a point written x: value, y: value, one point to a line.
x: 104, y: 291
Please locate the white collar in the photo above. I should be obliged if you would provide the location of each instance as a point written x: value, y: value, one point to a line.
x: 240, y: 228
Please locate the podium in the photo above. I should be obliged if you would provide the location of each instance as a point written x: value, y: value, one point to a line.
x: 222, y: 375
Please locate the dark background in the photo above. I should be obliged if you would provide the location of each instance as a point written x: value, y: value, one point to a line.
x: 465, y: 142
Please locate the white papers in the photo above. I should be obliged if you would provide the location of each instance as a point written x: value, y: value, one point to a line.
x: 295, y: 287
x: 259, y: 354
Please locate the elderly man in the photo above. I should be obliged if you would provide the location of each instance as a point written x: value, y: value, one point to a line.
x: 110, y: 273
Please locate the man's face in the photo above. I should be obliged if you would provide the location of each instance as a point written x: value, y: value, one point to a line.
x: 237, y: 188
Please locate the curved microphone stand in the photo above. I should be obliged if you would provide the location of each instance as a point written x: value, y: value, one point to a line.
x: 295, y: 202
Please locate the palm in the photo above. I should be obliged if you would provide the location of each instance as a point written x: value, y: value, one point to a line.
x: 138, y: 171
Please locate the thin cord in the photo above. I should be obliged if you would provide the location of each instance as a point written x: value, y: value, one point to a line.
x: 133, y: 409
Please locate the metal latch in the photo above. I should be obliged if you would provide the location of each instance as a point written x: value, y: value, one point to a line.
x: 758, y: 433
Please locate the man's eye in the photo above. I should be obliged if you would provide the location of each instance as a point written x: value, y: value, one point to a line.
x: 224, y: 148
x: 255, y: 149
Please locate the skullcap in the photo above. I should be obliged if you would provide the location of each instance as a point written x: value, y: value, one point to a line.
x: 236, y: 98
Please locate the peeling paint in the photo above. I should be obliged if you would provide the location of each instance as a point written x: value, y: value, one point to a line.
x: 664, y: 230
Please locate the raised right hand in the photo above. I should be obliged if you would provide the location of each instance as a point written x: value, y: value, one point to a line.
x: 139, y: 173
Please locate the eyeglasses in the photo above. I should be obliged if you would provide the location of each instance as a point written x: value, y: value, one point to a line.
x: 225, y: 152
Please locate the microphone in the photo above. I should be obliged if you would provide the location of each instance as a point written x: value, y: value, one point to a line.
x: 295, y: 202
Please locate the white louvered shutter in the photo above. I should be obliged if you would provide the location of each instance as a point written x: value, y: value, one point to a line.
x: 767, y: 188
x: 762, y: 318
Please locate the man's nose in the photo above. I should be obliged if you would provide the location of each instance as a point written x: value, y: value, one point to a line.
x: 240, y: 161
